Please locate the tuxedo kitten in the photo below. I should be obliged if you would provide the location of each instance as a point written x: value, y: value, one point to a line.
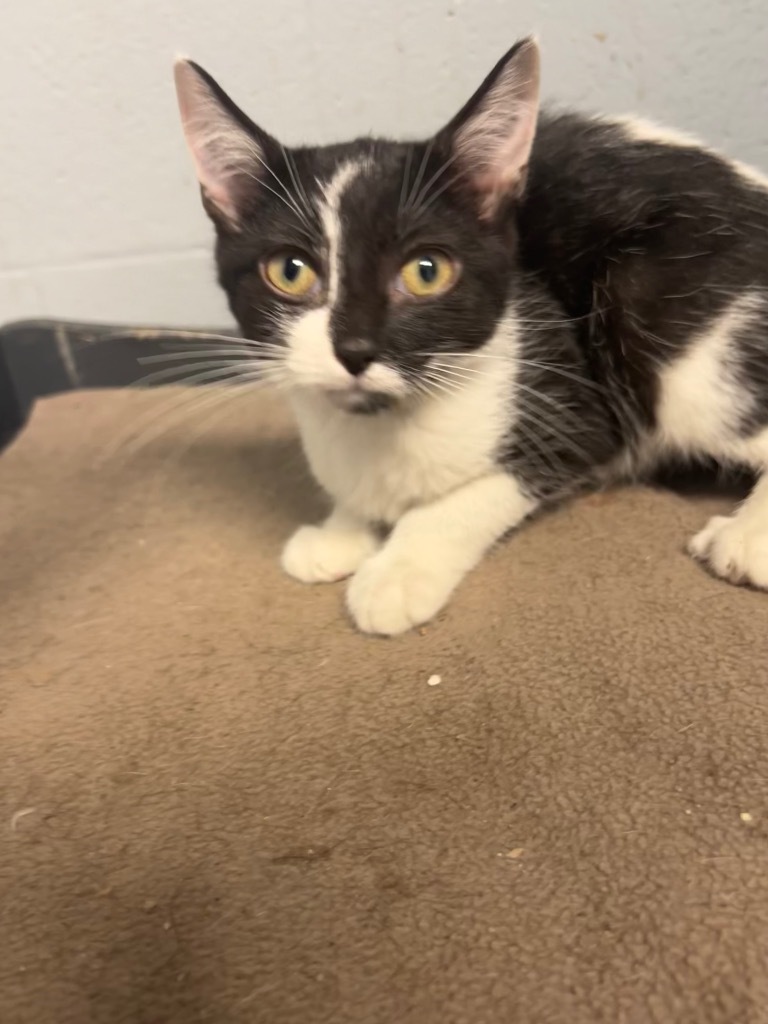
x: 472, y: 326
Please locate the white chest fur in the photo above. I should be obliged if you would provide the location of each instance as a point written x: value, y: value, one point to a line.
x: 380, y: 466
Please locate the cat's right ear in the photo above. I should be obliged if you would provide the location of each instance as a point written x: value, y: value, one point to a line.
x: 229, y: 152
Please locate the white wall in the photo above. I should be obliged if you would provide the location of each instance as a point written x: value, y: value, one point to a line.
x: 99, y: 215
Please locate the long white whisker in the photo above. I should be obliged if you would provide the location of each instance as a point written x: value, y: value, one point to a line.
x: 167, y: 418
x: 406, y: 176
x: 208, y: 420
x: 425, y: 205
x: 545, y: 422
x: 185, y: 375
x: 419, y: 200
x: 543, y: 366
x: 287, y: 199
x: 163, y: 334
x: 441, y: 383
x: 301, y: 195
x: 545, y: 455
x: 552, y: 368
x: 166, y: 357
x: 420, y: 175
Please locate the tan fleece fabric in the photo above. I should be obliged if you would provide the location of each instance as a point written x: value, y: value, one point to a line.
x: 219, y: 803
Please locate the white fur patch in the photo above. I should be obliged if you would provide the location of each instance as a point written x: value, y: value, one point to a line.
x: 430, y: 551
x: 328, y: 553
x: 701, y: 401
x: 736, y: 547
x: 700, y: 408
x: 331, y: 221
x: 311, y: 363
x: 640, y: 129
x: 379, y: 466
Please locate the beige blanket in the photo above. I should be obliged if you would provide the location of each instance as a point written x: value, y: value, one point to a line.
x: 221, y: 804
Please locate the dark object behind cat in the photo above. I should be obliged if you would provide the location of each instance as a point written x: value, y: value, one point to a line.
x: 467, y: 327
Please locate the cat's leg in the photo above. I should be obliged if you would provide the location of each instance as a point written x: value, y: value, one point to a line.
x: 430, y: 550
x: 331, y: 551
x: 736, y: 546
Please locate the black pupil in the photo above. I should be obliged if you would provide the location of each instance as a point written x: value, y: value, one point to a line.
x: 427, y: 270
x: 292, y: 267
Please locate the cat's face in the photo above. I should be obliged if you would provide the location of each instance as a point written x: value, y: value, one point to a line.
x: 355, y: 267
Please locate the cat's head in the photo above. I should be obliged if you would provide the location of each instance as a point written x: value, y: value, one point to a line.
x: 357, y: 265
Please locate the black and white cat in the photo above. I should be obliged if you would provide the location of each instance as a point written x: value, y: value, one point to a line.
x: 475, y: 325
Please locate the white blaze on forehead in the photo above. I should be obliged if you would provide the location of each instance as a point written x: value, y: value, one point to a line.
x: 331, y: 221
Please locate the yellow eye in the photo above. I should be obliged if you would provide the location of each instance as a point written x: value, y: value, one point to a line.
x: 427, y: 275
x: 291, y: 275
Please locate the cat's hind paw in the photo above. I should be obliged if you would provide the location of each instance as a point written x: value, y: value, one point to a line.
x: 734, y: 548
x: 319, y: 554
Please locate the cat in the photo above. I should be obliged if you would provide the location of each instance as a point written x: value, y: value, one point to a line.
x: 469, y: 328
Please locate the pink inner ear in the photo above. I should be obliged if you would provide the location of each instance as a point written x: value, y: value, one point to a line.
x: 226, y: 157
x: 499, y: 143
x: 494, y: 144
x: 223, y: 201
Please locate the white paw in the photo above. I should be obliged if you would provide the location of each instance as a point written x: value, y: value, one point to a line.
x: 315, y: 554
x: 734, y: 548
x: 393, y: 593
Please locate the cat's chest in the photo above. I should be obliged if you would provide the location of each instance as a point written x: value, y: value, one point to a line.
x: 379, y: 467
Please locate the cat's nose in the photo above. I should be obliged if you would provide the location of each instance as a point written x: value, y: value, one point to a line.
x: 355, y: 354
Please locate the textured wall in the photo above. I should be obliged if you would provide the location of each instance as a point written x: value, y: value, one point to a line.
x: 99, y: 216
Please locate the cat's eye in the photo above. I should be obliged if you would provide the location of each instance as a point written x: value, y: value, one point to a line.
x: 292, y: 275
x: 426, y: 275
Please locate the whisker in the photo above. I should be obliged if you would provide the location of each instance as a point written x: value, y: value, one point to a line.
x: 168, y: 418
x: 406, y: 176
x: 286, y: 199
x: 441, y: 383
x: 546, y: 423
x: 178, y: 452
x: 301, y: 195
x: 552, y: 368
x: 165, y: 357
x: 544, y: 419
x: 420, y: 175
x: 545, y: 367
x: 419, y: 200
x: 185, y: 375
x: 175, y: 335
x: 544, y: 455
x: 436, y: 194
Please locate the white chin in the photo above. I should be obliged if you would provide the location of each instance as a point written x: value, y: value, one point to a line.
x: 362, y: 402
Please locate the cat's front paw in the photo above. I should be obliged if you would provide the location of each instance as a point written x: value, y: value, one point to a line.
x: 316, y: 554
x: 734, y: 548
x: 393, y: 593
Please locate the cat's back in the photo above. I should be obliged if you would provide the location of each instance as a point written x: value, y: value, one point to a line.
x: 618, y: 186
x: 581, y: 159
x: 620, y: 214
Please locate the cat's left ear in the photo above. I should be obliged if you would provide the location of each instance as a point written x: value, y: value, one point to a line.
x: 492, y: 135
